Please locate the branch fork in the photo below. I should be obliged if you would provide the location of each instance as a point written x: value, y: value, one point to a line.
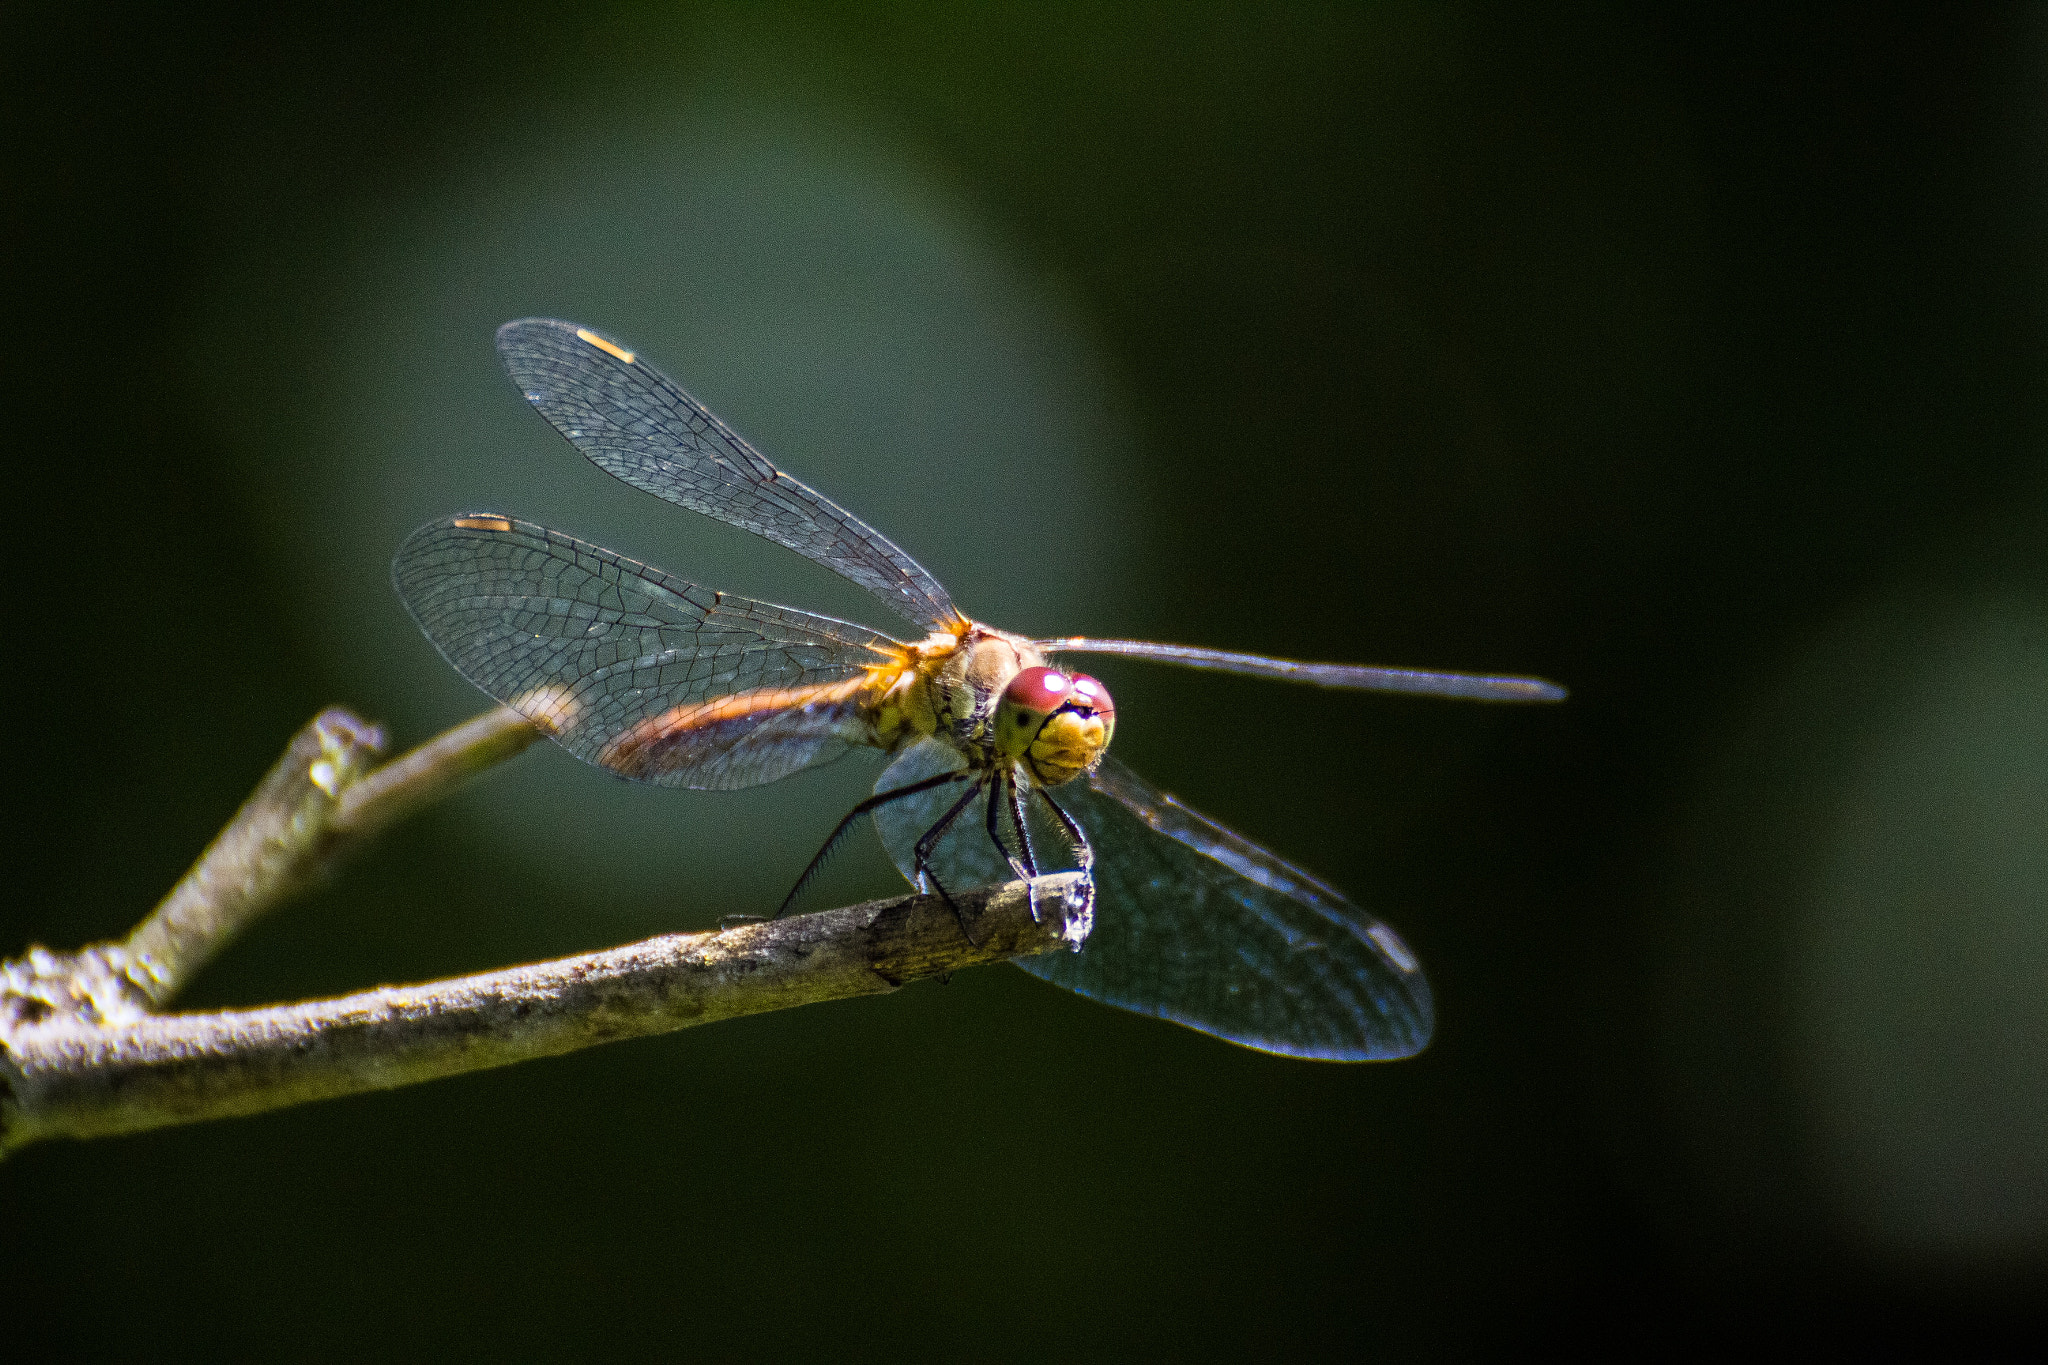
x: 86, y: 1052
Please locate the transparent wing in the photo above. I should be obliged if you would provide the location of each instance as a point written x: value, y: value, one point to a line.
x: 1193, y: 923
x: 651, y: 677
x: 1360, y: 677
x: 637, y: 424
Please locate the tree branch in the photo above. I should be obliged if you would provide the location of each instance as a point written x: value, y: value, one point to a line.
x: 84, y: 1054
x: 73, y: 1079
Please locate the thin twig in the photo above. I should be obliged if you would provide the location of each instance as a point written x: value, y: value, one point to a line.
x: 275, y: 845
x: 320, y: 800
x: 427, y: 774
x: 69, y: 1078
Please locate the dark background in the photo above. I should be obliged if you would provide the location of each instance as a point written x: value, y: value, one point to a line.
x: 1694, y: 359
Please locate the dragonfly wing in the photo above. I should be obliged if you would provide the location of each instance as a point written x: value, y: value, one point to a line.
x: 646, y: 675
x: 637, y: 424
x: 1358, y: 677
x: 1286, y: 963
x: 1193, y: 923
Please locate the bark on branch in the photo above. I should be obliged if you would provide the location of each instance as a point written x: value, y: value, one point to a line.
x: 83, y: 1052
x: 70, y: 1078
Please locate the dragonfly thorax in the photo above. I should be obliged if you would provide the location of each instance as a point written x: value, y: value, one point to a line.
x: 991, y: 697
x: 966, y: 684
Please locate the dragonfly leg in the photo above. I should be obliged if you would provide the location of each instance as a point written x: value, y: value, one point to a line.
x: 1016, y: 795
x: 1084, y: 852
x: 1021, y: 863
x: 1023, y: 830
x: 929, y: 842
x: 878, y: 799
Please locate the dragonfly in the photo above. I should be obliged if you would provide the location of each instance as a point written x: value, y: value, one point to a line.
x: 998, y: 750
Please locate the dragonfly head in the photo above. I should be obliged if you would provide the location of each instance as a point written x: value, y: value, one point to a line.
x: 1055, y: 723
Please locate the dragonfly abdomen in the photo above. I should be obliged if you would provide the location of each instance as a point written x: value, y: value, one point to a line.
x: 743, y: 739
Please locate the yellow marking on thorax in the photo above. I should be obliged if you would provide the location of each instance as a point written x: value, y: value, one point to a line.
x: 603, y: 345
x: 484, y: 523
x: 901, y: 707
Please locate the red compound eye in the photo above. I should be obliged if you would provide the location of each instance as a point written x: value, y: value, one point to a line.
x: 1085, y: 691
x: 1039, y: 689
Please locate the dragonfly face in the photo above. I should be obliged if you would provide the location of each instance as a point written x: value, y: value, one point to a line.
x: 1053, y: 725
x: 665, y: 681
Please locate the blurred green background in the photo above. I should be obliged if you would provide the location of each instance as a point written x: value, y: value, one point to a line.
x: 1694, y: 358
